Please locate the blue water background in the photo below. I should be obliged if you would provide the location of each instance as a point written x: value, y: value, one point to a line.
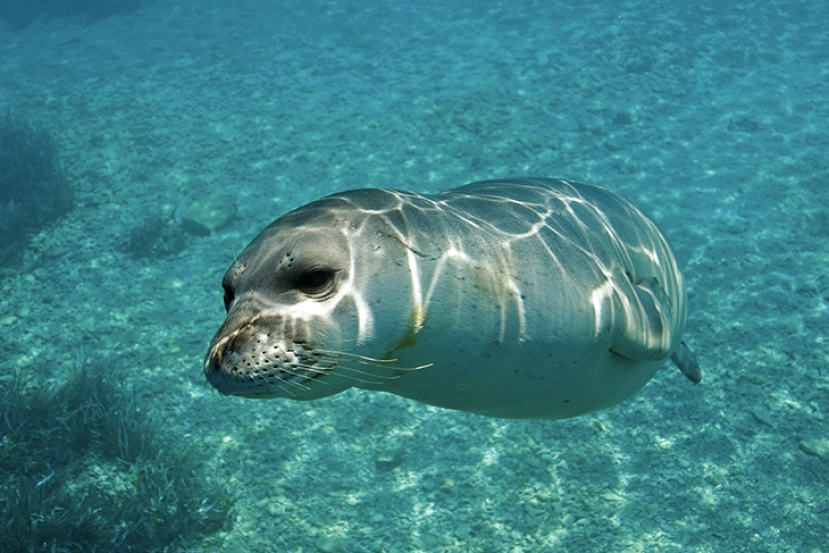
x: 711, y: 116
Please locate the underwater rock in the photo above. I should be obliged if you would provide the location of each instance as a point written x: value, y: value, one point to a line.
x: 202, y: 217
x: 329, y: 544
x: 819, y: 447
x: 389, y: 460
x: 154, y: 236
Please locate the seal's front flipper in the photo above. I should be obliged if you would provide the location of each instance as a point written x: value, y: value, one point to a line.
x: 684, y: 359
x: 642, y: 323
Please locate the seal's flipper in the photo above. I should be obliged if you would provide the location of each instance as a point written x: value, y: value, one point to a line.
x: 684, y: 359
x: 645, y: 334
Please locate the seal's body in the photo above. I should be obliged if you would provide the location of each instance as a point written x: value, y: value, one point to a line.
x: 520, y: 298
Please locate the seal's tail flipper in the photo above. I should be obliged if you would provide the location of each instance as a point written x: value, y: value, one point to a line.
x: 684, y: 359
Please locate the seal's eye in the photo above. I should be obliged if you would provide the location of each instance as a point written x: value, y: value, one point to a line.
x: 315, y: 281
x: 229, y: 295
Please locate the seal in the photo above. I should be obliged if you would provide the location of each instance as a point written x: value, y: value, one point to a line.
x: 517, y: 298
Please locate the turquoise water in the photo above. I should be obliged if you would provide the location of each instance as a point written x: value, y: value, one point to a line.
x: 710, y: 116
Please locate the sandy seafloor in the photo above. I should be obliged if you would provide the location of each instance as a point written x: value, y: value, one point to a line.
x: 712, y: 116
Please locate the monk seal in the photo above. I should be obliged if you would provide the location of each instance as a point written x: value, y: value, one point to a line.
x: 517, y: 298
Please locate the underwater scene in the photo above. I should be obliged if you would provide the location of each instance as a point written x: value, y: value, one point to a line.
x: 145, y: 143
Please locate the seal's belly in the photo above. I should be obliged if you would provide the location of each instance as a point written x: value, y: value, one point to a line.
x: 510, y: 385
x: 517, y: 298
x: 473, y: 364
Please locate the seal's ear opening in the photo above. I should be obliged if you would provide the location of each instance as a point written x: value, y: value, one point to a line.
x: 229, y: 295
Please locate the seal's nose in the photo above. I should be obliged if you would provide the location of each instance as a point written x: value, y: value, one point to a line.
x: 235, y: 334
x: 246, y: 348
x: 214, y: 363
x: 232, y: 335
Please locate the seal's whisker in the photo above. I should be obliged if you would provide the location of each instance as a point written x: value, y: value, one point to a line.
x: 281, y: 382
x: 371, y: 361
x: 355, y: 379
x: 382, y: 366
x: 355, y: 355
x: 365, y: 373
x: 330, y: 371
x: 312, y: 369
x: 283, y: 388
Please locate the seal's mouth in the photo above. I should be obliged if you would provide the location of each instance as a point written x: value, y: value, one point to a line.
x: 265, y: 357
x: 266, y: 371
x: 272, y: 356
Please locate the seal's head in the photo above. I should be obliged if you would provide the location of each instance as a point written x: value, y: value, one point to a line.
x: 299, y: 302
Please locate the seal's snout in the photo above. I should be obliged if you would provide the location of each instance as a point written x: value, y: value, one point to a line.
x: 236, y: 353
x: 216, y: 365
x: 262, y: 356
